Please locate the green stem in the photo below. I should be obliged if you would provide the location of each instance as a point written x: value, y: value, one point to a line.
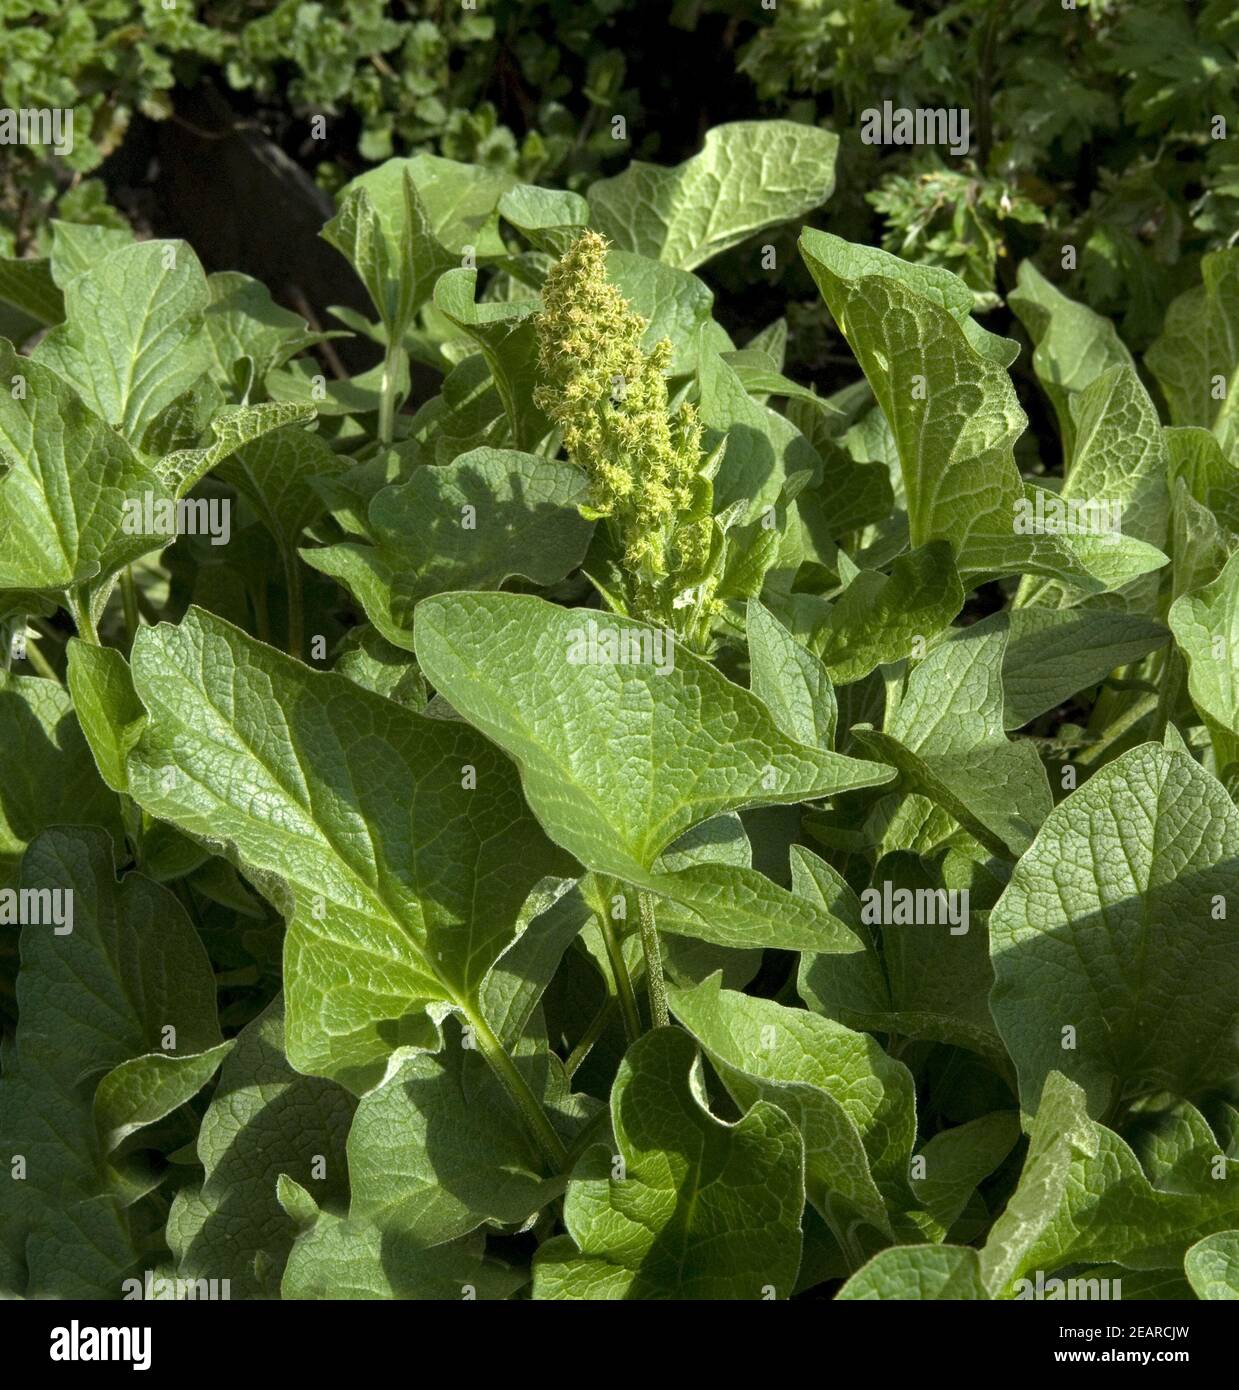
x: 1173, y: 674
x: 1139, y: 709
x: 387, y: 394
x: 40, y: 663
x: 296, y: 604
x: 517, y: 1088
x: 133, y: 820
x: 79, y: 610
x: 654, y: 982
x: 129, y: 597
x: 623, y: 980
x: 590, y: 1037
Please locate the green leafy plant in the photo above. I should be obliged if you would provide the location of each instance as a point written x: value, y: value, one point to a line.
x: 623, y: 823
x: 384, y: 78
x: 1105, y: 126
x: 1102, y: 132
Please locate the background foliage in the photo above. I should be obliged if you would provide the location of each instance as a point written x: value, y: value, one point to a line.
x: 1091, y: 127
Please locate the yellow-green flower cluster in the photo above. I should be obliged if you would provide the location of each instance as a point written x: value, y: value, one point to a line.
x: 609, y: 397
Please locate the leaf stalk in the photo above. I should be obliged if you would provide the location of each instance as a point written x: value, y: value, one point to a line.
x: 517, y: 1087
x: 660, y: 1016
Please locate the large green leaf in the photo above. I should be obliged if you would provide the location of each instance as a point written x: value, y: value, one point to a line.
x: 943, y: 386
x: 132, y: 339
x: 687, y: 214
x: 1052, y: 653
x: 66, y: 481
x: 437, y: 1150
x: 1083, y: 1197
x: 1212, y: 1266
x: 1206, y: 627
x: 879, y: 618
x: 790, y: 681
x: 946, y: 737
x: 1195, y: 360
x: 1120, y: 459
x: 397, y: 846
x: 1072, y: 345
x: 916, y: 1272
x: 918, y: 980
x: 404, y: 223
x: 475, y: 523
x: 1114, y: 957
x: 395, y: 278
x: 338, y: 1258
x: 693, y: 1209
x: 264, y: 1120
x: 853, y: 1105
x: 128, y: 983
x: 619, y: 760
x: 551, y: 219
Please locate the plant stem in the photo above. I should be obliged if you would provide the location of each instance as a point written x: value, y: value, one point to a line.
x: 296, y: 603
x: 129, y: 597
x: 40, y: 663
x: 1135, y: 712
x: 1173, y: 673
x: 623, y: 980
x: 517, y: 1088
x: 591, y: 1035
x: 654, y: 982
x: 79, y: 610
x: 387, y: 395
